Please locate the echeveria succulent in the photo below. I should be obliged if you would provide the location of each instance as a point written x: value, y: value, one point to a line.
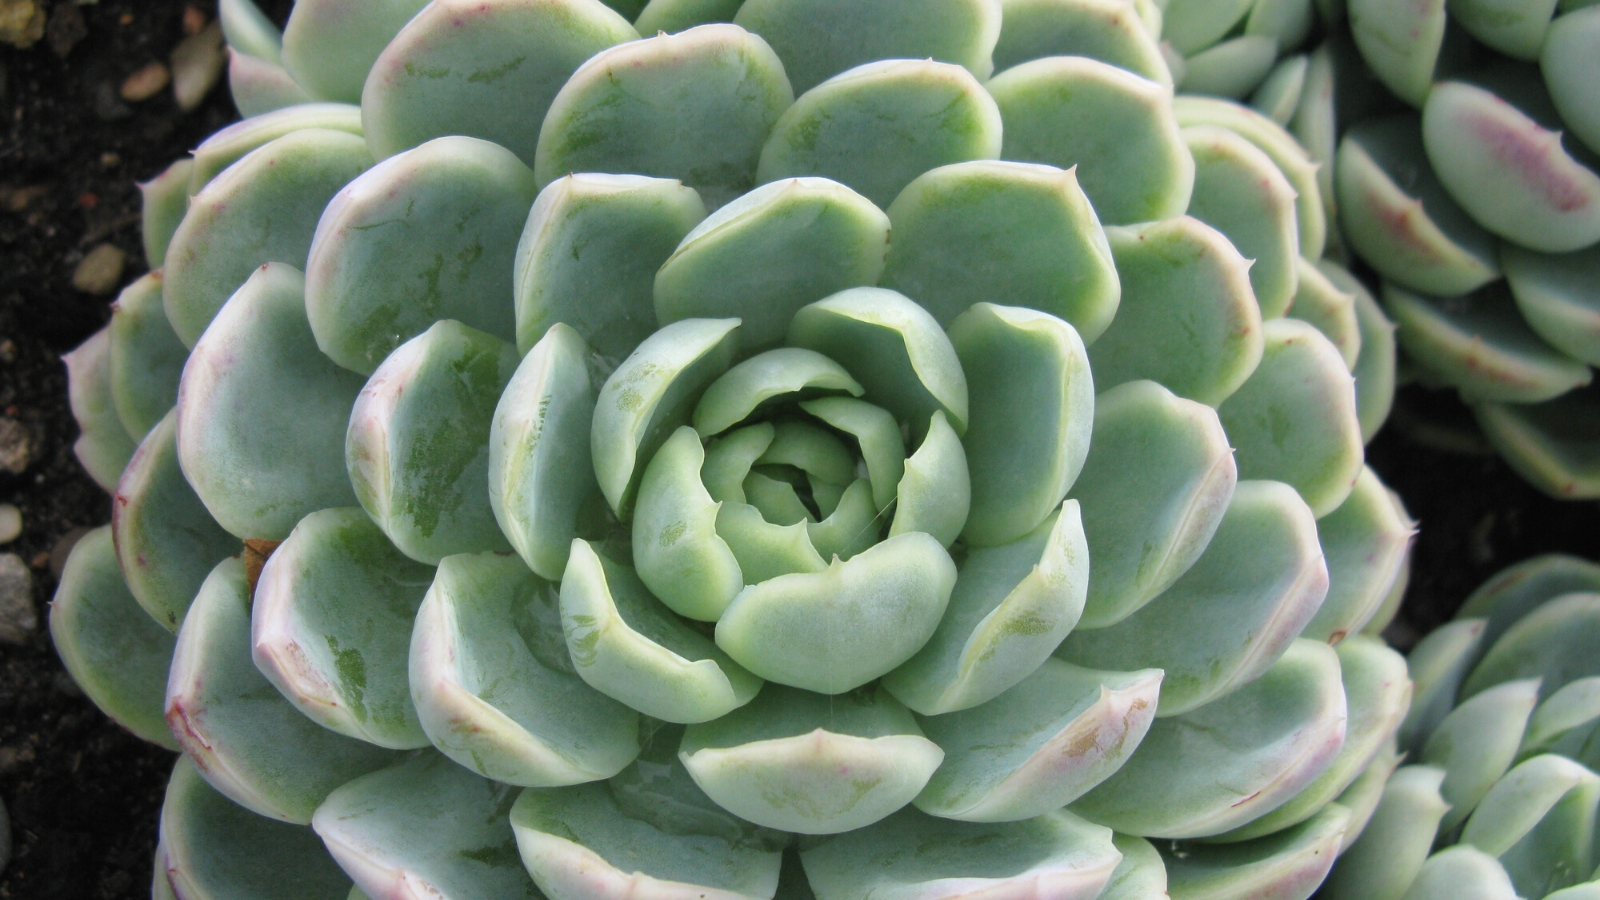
x: 1480, y: 208
x: 845, y: 450
x: 1499, y: 797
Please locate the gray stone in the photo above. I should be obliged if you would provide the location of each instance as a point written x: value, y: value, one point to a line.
x: 16, y: 446
x: 18, y: 620
x: 10, y: 523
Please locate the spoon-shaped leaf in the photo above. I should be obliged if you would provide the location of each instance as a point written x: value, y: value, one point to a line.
x: 248, y: 741
x: 811, y: 763
x: 118, y: 655
x: 495, y: 687
x: 331, y: 624
x: 213, y: 849
x: 258, y: 464
x: 166, y: 540
x: 425, y: 828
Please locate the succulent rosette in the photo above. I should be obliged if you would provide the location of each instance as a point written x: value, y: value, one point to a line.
x: 1499, y: 797
x: 800, y: 454
x: 1476, y: 198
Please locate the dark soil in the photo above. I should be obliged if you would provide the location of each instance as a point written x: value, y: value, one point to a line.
x: 83, y: 794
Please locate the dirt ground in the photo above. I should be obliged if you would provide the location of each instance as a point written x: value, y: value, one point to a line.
x: 83, y: 795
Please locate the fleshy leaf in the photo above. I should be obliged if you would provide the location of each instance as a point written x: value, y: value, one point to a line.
x: 883, y: 448
x: 1365, y: 542
x: 331, y: 626
x: 1564, y: 722
x: 1480, y: 344
x: 1099, y: 29
x: 1030, y: 433
x: 1558, y: 296
x: 1567, y: 63
x: 495, y: 687
x: 1231, y: 68
x: 258, y: 464
x: 1278, y: 143
x: 767, y: 378
x: 103, y: 446
x: 1039, y: 745
x: 1400, y: 43
x: 851, y: 526
x: 262, y: 209
x: 422, y: 236
x: 895, y: 349
x: 259, y: 86
x: 627, y: 646
x: 1511, y: 174
x: 913, y: 856
x: 1517, y: 590
x: 1461, y: 873
x: 765, y: 550
x: 1553, y: 643
x: 1228, y: 619
x: 649, y: 396
x: 330, y: 47
x: 1438, y: 664
x: 1075, y: 111
x: 213, y: 849
x: 675, y: 543
x: 878, y: 126
x: 1477, y: 742
x: 246, y: 740
x: 166, y: 540
x: 1288, y: 865
x: 1154, y: 488
x: 1538, y: 820
x: 589, y: 253
x: 1392, y: 848
x: 1140, y: 876
x: 1375, y: 365
x: 417, y: 447
x: 1219, y: 766
x: 461, y: 66
x: 1517, y: 30
x: 118, y: 655
x: 228, y: 145
x: 146, y: 357
x: 1328, y: 308
x: 1294, y: 419
x: 1240, y: 191
x: 164, y: 200
x: 772, y: 251
x: 541, y: 473
x: 817, y: 39
x: 696, y: 106
x: 810, y: 763
x: 1188, y: 318
x: 1010, y: 608
x: 1552, y: 444
x: 1377, y: 691
x: 935, y: 493
x: 1400, y: 219
x: 1018, y: 231
x: 1279, y: 94
x: 1366, y: 792
x: 835, y: 630
x: 1193, y: 25
x: 425, y: 828
x: 649, y: 832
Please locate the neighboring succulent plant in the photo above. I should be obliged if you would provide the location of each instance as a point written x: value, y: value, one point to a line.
x: 1480, y: 209
x: 1505, y: 734
x: 749, y: 489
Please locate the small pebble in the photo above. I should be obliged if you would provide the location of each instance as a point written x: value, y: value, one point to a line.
x: 197, y: 64
x: 63, y: 682
x: 63, y: 549
x: 65, y: 28
x: 146, y: 83
x: 21, y: 22
x: 100, y: 271
x: 17, y: 617
x: 16, y: 446
x: 10, y: 523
